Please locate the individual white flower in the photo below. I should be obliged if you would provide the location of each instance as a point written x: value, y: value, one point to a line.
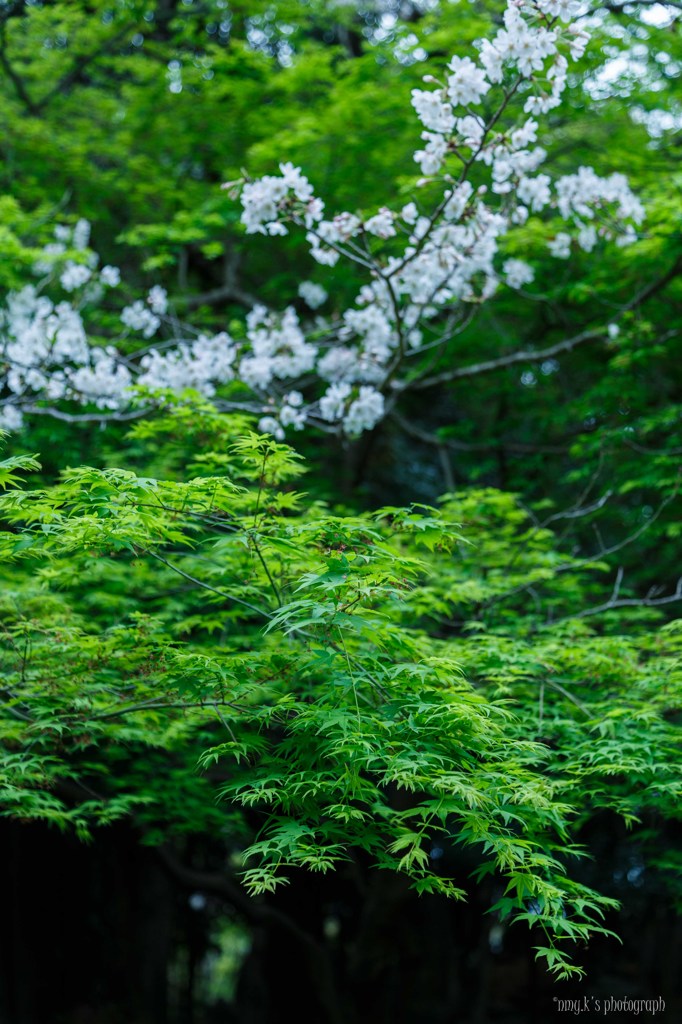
x: 293, y: 415
x: 333, y: 403
x: 51, y: 253
x: 467, y: 83
x: 457, y: 201
x: 430, y: 159
x: 492, y: 60
x: 265, y: 200
x: 269, y: 425
x: 517, y: 273
x: 522, y: 137
x: 261, y: 201
x: 74, y: 275
x: 339, y: 363
x: 11, y: 418
x: 312, y: 294
x: 560, y: 245
x: 627, y: 237
x: 294, y: 398
x: 534, y: 191
x: 587, y: 237
x: 343, y: 227
x: 381, y: 224
x: 321, y: 253
x: 578, y: 41
x: 295, y: 180
x: 613, y: 330
x: 110, y: 276
x: 563, y: 9
x: 158, y: 299
x: 409, y: 213
x: 471, y: 130
x: 256, y: 371
x: 139, y: 318
x: 81, y: 234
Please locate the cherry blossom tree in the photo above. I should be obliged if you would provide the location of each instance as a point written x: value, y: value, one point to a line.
x: 428, y: 265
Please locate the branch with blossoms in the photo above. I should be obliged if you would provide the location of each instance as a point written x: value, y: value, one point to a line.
x: 428, y: 266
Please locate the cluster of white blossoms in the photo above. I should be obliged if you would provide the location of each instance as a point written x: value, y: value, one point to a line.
x: 45, y: 349
x: 422, y: 264
x: 268, y: 198
x: 200, y: 364
x: 357, y: 414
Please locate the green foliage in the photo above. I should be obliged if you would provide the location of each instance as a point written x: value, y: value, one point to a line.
x: 196, y: 643
x: 352, y: 686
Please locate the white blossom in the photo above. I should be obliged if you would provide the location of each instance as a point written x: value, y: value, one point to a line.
x: 471, y: 131
x: 11, y: 419
x: 409, y: 213
x: 201, y: 365
x: 437, y: 258
x: 312, y: 294
x: 365, y: 412
x: 433, y: 111
x: 81, y: 234
x: 467, y: 83
x: 333, y: 402
x: 381, y: 224
x: 265, y: 200
x: 587, y: 237
x: 139, y: 318
x: 269, y: 425
x: 110, y: 276
x: 534, y: 191
x: 74, y: 275
x: 292, y: 413
x: 517, y: 273
x: 560, y: 245
x: 430, y: 159
x: 158, y: 300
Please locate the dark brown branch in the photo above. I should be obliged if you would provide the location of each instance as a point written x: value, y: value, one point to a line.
x: 73, y: 76
x: 473, y: 446
x: 229, y: 291
x: 13, y: 76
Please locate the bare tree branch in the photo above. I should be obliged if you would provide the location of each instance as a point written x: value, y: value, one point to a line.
x: 539, y: 355
x: 13, y: 75
x: 581, y: 563
x: 229, y: 291
x: 85, y: 417
x: 472, y: 446
x: 207, y: 586
x: 627, y: 602
x: 260, y: 913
